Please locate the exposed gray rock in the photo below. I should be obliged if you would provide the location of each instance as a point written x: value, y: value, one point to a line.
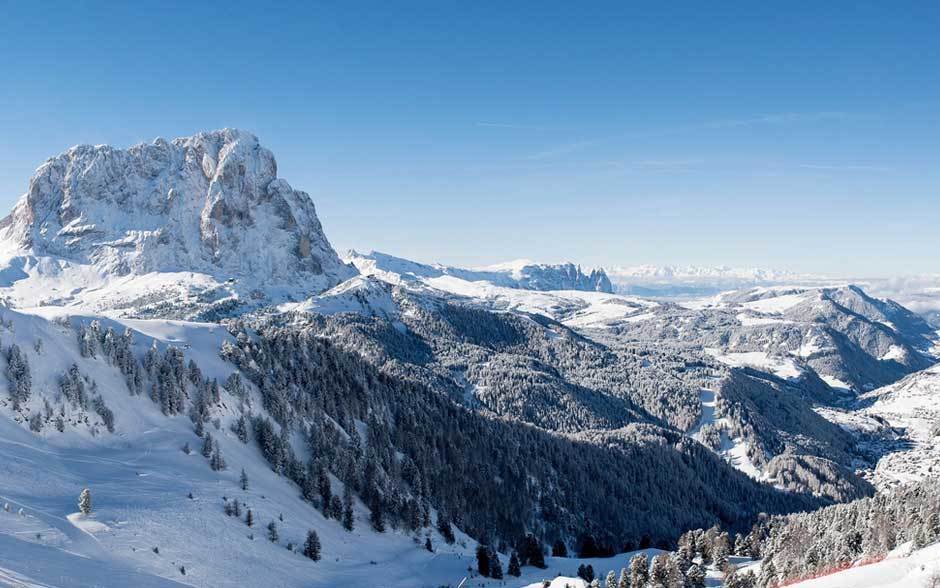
x: 211, y: 203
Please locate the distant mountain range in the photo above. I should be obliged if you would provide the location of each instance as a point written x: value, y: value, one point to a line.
x: 523, y: 274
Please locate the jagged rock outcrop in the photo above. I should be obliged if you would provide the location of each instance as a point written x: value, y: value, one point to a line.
x: 211, y: 203
x: 565, y: 276
x: 522, y: 274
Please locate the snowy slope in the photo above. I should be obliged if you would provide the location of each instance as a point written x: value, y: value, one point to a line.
x: 361, y: 295
x: 140, y: 480
x: 498, y: 289
x: 900, y: 569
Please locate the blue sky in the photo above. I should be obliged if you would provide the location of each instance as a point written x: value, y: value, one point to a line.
x: 802, y: 136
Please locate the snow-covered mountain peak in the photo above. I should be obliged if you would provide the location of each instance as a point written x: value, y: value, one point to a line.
x: 210, y: 204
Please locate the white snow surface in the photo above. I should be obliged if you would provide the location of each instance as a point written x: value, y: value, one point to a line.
x: 489, y: 286
x: 782, y: 367
x: 901, y: 569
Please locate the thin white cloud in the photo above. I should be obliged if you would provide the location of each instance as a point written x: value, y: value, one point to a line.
x: 844, y: 167
x: 667, y: 163
x: 772, y: 119
x: 559, y: 150
x: 500, y: 125
x: 787, y: 118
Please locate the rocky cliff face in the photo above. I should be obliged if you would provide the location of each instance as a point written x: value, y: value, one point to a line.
x: 521, y: 274
x: 565, y: 276
x: 211, y: 203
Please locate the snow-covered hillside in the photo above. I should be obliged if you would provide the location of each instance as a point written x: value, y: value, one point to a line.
x: 157, y: 509
x: 902, y: 568
x: 510, y: 288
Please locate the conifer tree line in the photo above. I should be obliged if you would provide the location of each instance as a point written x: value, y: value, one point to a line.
x: 821, y: 542
x: 832, y: 538
x: 75, y: 391
x: 398, y: 440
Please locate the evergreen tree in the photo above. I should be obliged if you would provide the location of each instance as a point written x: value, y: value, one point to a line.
x: 377, y: 518
x: 483, y: 560
x: 217, y: 462
x: 611, y: 581
x: 496, y: 567
x: 324, y: 487
x: 768, y: 574
x: 740, y: 545
x: 207, y: 445
x: 675, y: 577
x: 624, y: 581
x: 308, y: 486
x: 735, y: 579
x: 559, y: 549
x: 84, y: 502
x: 514, y: 567
x: 347, y: 508
x: 249, y: 518
x: 243, y: 480
x: 312, y: 545
x: 240, y: 428
x: 428, y: 546
x: 721, y: 551
x: 586, y: 572
x: 530, y: 551
x: 444, y: 528
x: 18, y: 376
x: 336, y: 507
x: 683, y: 558
x: 639, y: 570
x: 695, y: 577
x: 659, y: 574
x: 272, y: 532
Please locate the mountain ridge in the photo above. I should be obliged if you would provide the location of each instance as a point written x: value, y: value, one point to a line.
x: 523, y: 274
